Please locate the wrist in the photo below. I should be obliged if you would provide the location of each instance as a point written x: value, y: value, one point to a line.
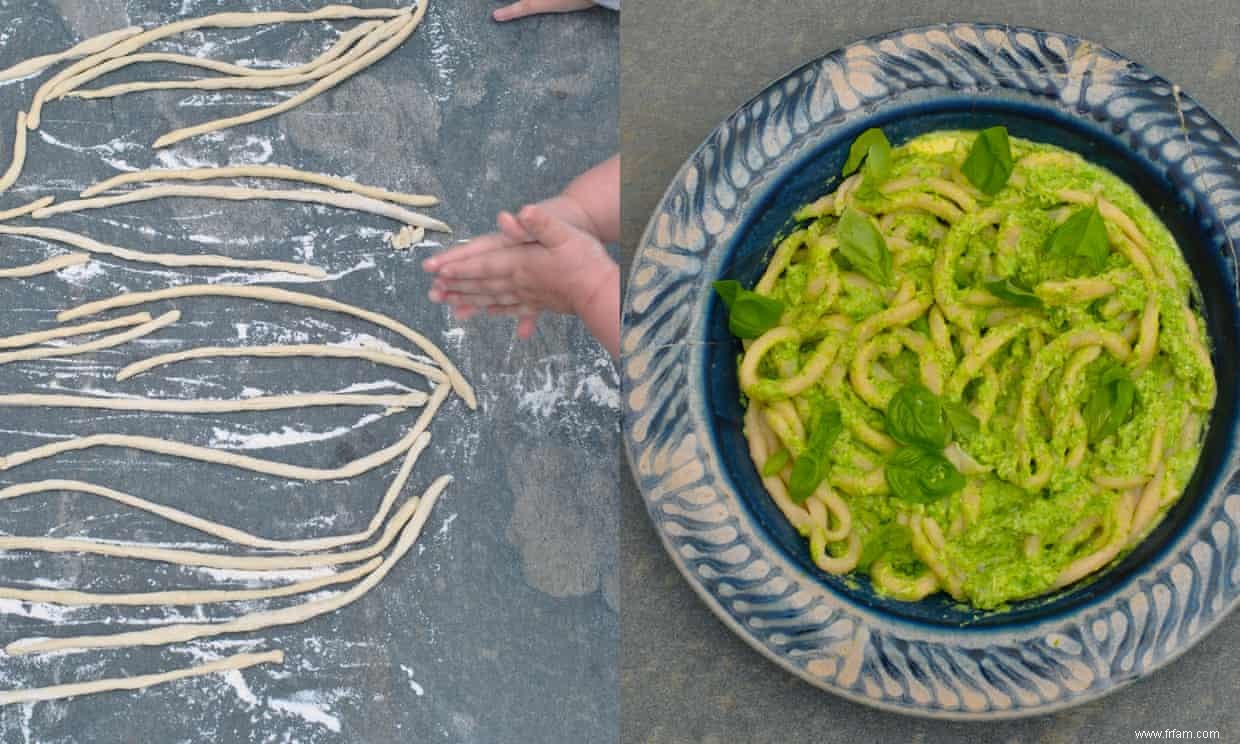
x: 595, y: 286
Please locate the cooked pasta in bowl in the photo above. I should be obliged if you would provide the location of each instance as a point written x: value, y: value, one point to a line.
x: 927, y: 371
x: 975, y: 367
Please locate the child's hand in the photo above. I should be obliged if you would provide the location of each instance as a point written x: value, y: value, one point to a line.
x: 523, y: 8
x: 538, y: 263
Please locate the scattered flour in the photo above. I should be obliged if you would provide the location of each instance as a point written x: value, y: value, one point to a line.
x: 413, y: 685
x: 306, y: 706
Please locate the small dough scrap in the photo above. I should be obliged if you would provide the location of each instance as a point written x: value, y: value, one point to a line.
x: 408, y: 237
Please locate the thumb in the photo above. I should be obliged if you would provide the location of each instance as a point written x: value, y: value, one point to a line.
x: 546, y: 228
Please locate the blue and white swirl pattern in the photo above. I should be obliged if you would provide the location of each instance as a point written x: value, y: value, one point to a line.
x: 783, y: 610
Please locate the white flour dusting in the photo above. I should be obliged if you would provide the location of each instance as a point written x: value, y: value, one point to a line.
x: 305, y: 705
x: 237, y: 681
x: 288, y: 436
x: 413, y: 684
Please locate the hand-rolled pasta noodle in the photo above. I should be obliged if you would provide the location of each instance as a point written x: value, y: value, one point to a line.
x: 22, y: 211
x: 246, y: 81
x: 85, y: 329
x: 355, y: 202
x: 271, y: 294
x: 218, y: 20
x: 260, y: 403
x: 179, y: 597
x: 353, y: 469
x: 175, y: 260
x: 215, y: 560
x: 301, y: 350
x: 84, y: 49
x: 61, y: 692
x: 272, y: 172
x: 45, y: 267
x: 342, y: 45
x: 233, y: 535
x: 308, y: 94
x: 19, y: 155
x: 248, y: 623
x: 107, y: 342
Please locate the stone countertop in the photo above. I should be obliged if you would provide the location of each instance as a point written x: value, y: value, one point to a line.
x: 684, y: 676
x: 502, y: 625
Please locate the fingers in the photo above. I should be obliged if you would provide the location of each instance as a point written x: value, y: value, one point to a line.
x: 480, y: 300
x: 499, y: 263
x: 547, y: 228
x: 472, y: 249
x: 512, y: 228
x: 523, y: 8
x: 526, y: 327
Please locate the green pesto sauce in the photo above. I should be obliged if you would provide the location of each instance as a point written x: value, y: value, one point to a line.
x: 990, y: 554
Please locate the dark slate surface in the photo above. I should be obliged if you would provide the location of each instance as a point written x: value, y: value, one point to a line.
x: 503, y: 624
x: 684, y: 676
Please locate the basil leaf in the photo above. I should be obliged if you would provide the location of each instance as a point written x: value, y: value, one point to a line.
x: 864, y: 246
x: 807, y: 472
x: 775, y: 463
x: 825, y: 427
x: 749, y: 314
x: 921, y: 476
x: 1082, y: 239
x: 915, y: 416
x: 873, y: 148
x: 961, y: 418
x: 1012, y: 291
x: 989, y: 164
x: 728, y: 290
x: 892, y: 538
x: 1110, y: 405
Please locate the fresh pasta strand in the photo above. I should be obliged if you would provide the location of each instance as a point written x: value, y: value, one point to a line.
x: 19, y: 155
x: 273, y: 172
x: 107, y: 342
x: 182, y: 597
x: 86, y: 48
x: 345, y: 41
x: 353, y: 469
x: 38, y: 337
x: 22, y: 211
x: 173, y: 260
x: 233, y: 535
x: 219, y: 20
x: 283, y: 352
x: 244, y: 405
x: 245, y: 81
x: 355, y: 202
x: 271, y: 294
x: 248, y: 623
x: 61, y: 692
x: 45, y: 267
x: 306, y: 95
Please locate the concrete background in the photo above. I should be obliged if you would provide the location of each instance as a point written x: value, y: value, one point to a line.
x: 502, y: 626
x: 686, y: 66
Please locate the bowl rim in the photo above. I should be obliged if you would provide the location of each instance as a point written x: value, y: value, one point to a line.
x: 711, y: 598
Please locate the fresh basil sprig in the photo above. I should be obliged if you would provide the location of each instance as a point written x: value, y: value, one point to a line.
x: 872, y: 149
x: 990, y: 163
x: 749, y: 314
x: 961, y: 418
x: 1013, y: 291
x: 1082, y: 240
x: 915, y: 416
x: 775, y: 463
x: 810, y: 468
x: 864, y: 247
x: 1110, y: 405
x: 921, y: 476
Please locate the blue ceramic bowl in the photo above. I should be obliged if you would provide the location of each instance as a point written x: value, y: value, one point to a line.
x: 719, y: 219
